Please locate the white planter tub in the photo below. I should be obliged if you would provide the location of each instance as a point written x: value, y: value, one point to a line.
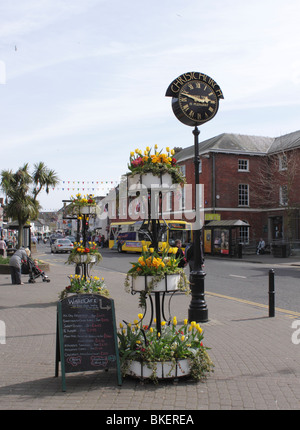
x: 169, y: 283
x: 149, y: 181
x: 88, y: 210
x: 159, y: 370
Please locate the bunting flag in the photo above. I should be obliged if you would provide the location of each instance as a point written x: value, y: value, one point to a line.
x: 90, y: 186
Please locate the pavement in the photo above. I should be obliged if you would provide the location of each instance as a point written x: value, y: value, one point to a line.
x: 256, y: 358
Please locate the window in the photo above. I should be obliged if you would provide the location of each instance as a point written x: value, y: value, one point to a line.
x: 283, y: 195
x: 282, y: 162
x: 244, y: 235
x: 243, y: 166
x: 200, y: 165
x: 243, y: 195
x: 182, y: 168
x: 169, y: 201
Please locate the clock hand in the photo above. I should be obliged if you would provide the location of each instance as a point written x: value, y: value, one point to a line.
x: 197, y: 98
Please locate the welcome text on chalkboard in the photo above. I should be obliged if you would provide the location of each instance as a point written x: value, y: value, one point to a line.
x: 86, y: 337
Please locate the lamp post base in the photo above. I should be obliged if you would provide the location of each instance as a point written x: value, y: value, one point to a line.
x: 198, y: 309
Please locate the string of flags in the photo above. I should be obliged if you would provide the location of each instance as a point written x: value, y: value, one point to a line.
x: 76, y: 185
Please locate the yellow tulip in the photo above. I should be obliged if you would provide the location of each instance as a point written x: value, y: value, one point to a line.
x: 163, y: 323
x: 182, y: 338
x: 185, y: 322
x: 140, y: 316
x: 121, y: 325
x: 167, y: 149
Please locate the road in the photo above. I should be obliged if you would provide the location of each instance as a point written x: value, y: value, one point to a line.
x: 237, y: 279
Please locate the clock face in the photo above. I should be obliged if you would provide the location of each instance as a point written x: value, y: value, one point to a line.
x: 198, y: 102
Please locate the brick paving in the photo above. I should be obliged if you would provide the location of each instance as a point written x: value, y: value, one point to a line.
x: 257, y: 366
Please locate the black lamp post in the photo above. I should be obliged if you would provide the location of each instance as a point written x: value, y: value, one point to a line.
x: 198, y: 309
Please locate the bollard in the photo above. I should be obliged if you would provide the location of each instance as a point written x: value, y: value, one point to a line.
x: 271, y: 293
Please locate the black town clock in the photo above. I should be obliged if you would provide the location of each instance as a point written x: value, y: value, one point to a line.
x: 195, y: 98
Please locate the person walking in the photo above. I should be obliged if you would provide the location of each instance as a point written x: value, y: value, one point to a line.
x: 15, y: 265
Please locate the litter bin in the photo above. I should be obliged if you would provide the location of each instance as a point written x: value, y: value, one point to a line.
x: 280, y: 250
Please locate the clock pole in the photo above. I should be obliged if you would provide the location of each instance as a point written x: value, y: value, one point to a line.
x: 195, y: 100
x: 198, y: 309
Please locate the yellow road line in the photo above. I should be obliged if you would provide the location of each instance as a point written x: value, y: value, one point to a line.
x: 248, y: 302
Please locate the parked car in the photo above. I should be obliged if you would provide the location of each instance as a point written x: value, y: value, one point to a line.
x: 61, y: 245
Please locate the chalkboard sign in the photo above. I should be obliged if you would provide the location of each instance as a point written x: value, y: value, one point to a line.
x: 86, y: 335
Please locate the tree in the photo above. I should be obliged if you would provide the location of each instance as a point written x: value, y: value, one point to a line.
x: 43, y: 178
x: 274, y: 185
x: 21, y: 190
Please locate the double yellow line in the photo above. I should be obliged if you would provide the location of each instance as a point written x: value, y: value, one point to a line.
x: 290, y: 314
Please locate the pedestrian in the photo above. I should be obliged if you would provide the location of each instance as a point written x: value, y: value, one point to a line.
x: 3, y: 246
x: 180, y: 254
x: 15, y: 265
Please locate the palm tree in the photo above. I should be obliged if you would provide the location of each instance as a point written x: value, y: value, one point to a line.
x: 21, y: 203
x: 43, y: 177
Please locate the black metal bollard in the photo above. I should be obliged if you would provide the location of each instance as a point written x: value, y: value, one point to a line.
x: 271, y: 293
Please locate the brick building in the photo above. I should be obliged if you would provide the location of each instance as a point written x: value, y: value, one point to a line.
x: 253, y: 179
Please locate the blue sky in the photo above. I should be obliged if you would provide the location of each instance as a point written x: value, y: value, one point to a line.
x: 83, y: 82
